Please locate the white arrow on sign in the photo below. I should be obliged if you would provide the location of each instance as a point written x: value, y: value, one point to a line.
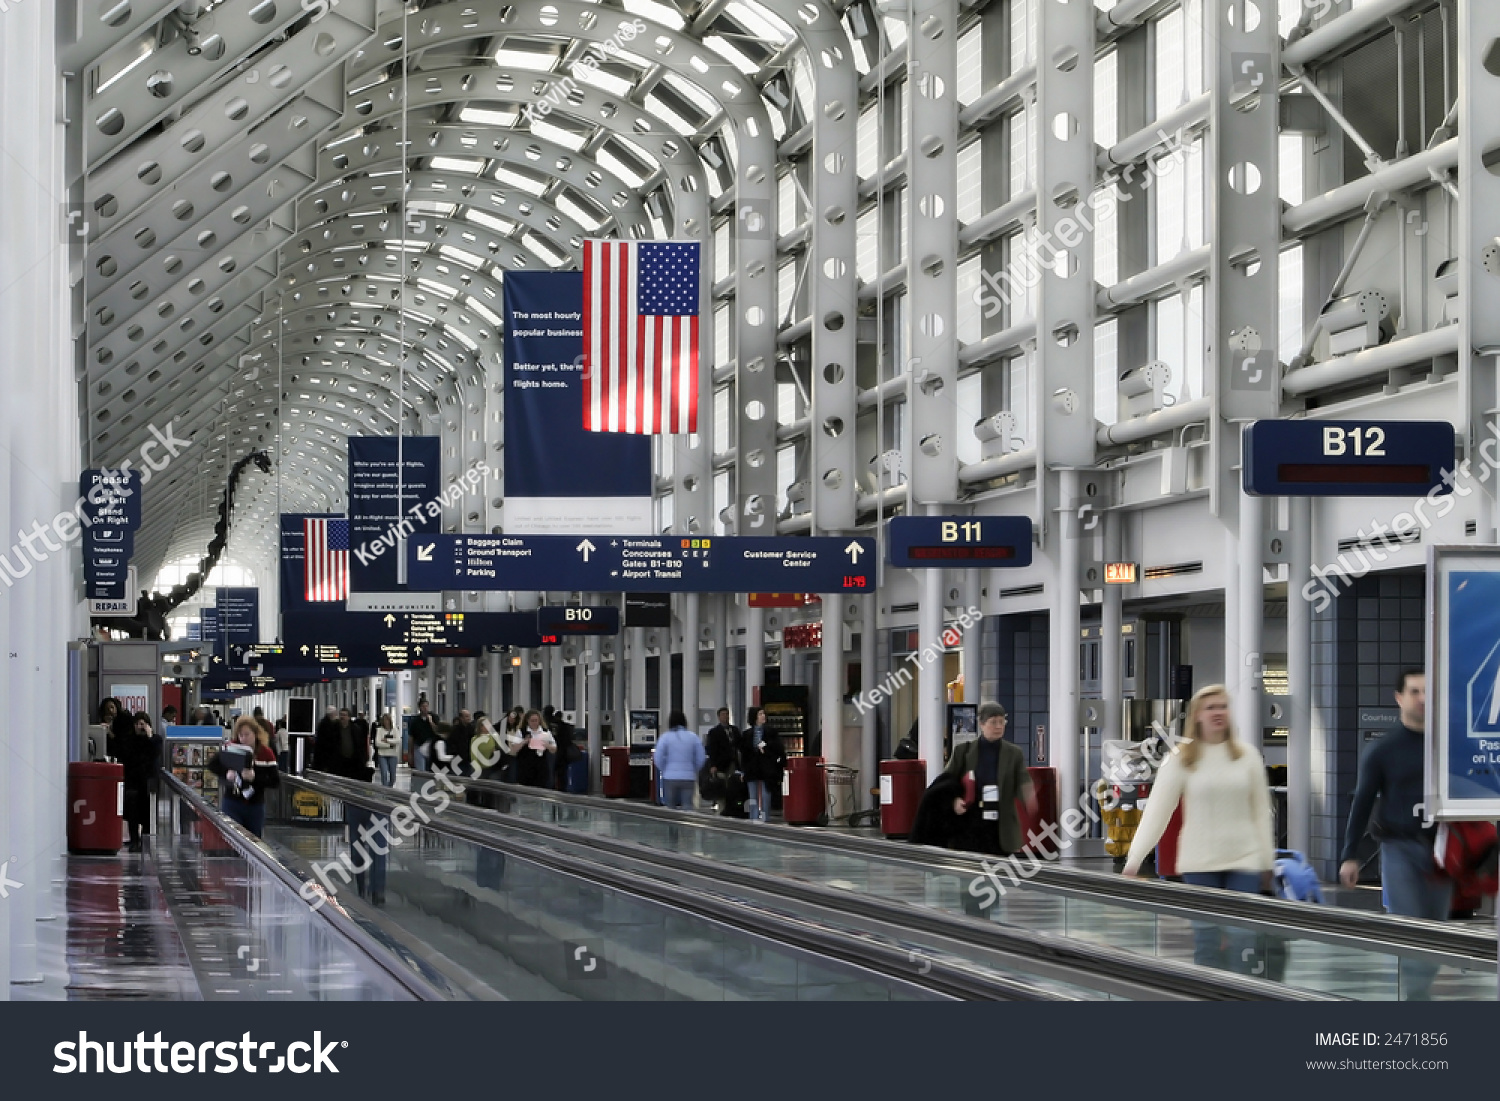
x: 587, y: 549
x: 390, y: 620
x: 424, y: 554
x: 854, y: 550
x: 304, y: 651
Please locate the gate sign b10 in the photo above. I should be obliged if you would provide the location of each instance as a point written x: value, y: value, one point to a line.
x: 928, y: 542
x: 1312, y: 458
x: 578, y: 621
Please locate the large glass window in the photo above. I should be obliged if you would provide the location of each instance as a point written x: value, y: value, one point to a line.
x: 971, y: 64
x: 1289, y: 319
x: 970, y: 182
x: 1106, y: 371
x: 1177, y: 190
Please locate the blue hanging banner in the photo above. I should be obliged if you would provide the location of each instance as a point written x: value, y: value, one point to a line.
x: 560, y: 479
x: 377, y: 518
x: 239, y: 615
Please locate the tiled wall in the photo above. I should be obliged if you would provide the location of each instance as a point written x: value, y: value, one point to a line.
x: 1022, y: 685
x: 1362, y: 642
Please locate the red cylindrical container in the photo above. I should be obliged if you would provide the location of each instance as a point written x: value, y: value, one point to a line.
x: 614, y: 769
x: 802, y: 791
x: 1044, y: 782
x: 901, y: 786
x: 95, y: 794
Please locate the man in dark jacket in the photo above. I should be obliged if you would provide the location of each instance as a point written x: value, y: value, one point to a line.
x: 721, y: 745
x: 341, y: 751
x: 458, y: 741
x: 1000, y: 778
x: 422, y: 732
x: 1393, y: 769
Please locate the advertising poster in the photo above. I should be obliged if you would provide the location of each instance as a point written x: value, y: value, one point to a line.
x: 1463, y: 701
x: 560, y: 479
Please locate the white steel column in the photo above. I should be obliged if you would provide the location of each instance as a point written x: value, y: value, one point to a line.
x: 1299, y: 679
x: 723, y: 607
x: 690, y: 610
x: 1252, y: 612
x: 755, y: 656
x: 1062, y: 719
x: 930, y: 697
x: 869, y: 733
x: 636, y: 697
x: 972, y: 583
x: 831, y: 680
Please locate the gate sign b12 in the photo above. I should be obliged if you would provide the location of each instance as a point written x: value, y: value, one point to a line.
x: 1463, y: 701
x: 1312, y: 458
x: 962, y: 542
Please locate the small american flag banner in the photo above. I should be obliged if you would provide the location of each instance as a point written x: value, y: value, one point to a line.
x: 640, y: 336
x: 327, y: 558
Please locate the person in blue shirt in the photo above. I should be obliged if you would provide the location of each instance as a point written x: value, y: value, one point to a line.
x: 679, y: 757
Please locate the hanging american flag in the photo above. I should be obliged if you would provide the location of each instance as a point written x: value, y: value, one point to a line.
x: 327, y: 558
x: 640, y: 336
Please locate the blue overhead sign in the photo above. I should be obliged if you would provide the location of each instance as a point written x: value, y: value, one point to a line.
x: 398, y: 639
x: 239, y: 614
x: 1463, y: 690
x: 666, y: 563
x: 1313, y: 458
x: 962, y: 542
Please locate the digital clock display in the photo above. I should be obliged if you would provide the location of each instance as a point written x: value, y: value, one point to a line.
x: 1413, y: 474
x: 962, y: 553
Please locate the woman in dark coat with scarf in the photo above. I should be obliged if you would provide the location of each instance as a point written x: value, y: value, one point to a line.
x: 140, y: 754
x: 762, y: 759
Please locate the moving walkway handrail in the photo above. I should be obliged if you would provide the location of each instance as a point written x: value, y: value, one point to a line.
x: 1301, y: 920
x: 1071, y: 960
x: 942, y: 978
x: 254, y: 850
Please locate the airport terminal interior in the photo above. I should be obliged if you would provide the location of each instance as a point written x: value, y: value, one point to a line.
x: 720, y: 500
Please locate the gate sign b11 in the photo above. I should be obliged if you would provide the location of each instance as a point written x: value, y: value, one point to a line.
x: 935, y: 542
x: 1312, y: 458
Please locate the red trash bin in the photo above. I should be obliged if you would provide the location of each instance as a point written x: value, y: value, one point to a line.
x: 96, y: 793
x: 902, y: 784
x: 614, y: 769
x: 802, y: 791
x: 1044, y: 782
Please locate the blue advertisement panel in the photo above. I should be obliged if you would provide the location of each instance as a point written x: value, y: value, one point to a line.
x: 1463, y: 690
x: 379, y: 513
x: 558, y: 478
x: 239, y: 614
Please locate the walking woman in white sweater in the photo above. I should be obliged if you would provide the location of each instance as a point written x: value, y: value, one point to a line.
x: 1226, y: 816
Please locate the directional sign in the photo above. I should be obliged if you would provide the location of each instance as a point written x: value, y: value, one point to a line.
x: 1462, y: 737
x: 399, y: 639
x: 578, y: 621
x: 604, y: 563
x: 963, y: 542
x: 111, y: 513
x: 1312, y: 458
